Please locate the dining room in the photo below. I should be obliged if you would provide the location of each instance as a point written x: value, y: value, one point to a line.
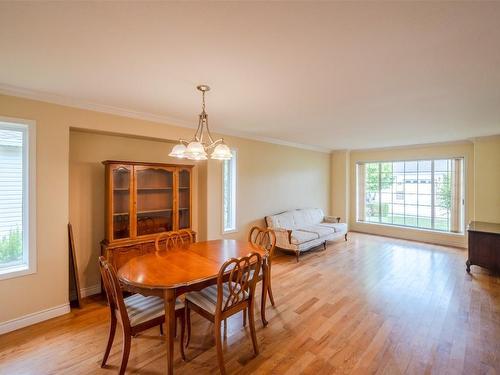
x: 249, y: 187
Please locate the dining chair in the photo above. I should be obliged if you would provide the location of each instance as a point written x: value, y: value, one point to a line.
x: 173, y: 239
x: 136, y: 313
x: 266, y: 240
x: 234, y: 292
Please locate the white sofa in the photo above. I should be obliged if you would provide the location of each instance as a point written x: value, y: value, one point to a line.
x: 301, y: 230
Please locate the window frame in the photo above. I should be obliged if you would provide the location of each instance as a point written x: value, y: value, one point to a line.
x: 462, y: 232
x: 29, y: 264
x: 233, y: 163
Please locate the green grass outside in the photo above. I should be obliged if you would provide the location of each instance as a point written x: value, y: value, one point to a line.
x: 421, y: 222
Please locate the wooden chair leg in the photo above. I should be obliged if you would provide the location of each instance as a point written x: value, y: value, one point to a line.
x: 188, y: 323
x: 345, y: 236
x: 182, y: 320
x: 244, y: 318
x: 270, y: 292
x: 251, y: 321
x: 218, y: 344
x: 125, y: 353
x: 161, y: 329
x: 112, y: 331
x: 297, y: 253
x: 262, y: 303
x: 225, y: 328
x: 324, y: 245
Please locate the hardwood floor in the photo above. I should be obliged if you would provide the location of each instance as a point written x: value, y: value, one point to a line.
x: 369, y: 305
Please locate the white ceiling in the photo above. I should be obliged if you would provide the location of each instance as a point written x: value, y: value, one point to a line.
x: 332, y: 75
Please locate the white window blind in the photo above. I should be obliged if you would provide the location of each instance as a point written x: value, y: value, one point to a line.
x: 427, y: 194
x: 229, y: 194
x: 16, y: 199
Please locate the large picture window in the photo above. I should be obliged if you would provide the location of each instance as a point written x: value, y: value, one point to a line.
x: 229, y: 194
x: 425, y: 194
x: 17, y: 254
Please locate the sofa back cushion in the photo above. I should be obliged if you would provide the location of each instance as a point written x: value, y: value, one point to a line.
x: 295, y: 218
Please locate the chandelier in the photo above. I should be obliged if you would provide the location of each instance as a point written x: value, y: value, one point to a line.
x: 197, y: 148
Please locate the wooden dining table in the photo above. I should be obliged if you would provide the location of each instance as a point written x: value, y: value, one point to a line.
x: 173, y: 272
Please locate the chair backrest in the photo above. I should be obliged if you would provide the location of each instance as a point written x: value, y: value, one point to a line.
x: 264, y: 238
x: 113, y: 290
x: 236, y: 281
x: 173, y: 239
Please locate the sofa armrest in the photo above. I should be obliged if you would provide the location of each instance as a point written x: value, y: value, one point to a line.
x: 283, y: 235
x: 331, y: 219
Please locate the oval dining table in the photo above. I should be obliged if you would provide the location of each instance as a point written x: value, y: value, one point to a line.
x: 173, y: 272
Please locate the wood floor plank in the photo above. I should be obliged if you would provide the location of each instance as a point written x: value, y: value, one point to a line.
x: 372, y: 305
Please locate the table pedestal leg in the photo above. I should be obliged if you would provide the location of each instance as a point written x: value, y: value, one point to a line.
x: 169, y: 296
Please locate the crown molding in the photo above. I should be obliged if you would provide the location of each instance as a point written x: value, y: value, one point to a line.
x: 118, y: 111
x: 415, y: 145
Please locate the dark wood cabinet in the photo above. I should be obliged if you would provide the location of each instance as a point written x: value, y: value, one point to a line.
x: 484, y: 245
x: 143, y: 200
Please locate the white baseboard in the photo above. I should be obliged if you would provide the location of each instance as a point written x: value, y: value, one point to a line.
x: 90, y: 290
x: 37, y: 317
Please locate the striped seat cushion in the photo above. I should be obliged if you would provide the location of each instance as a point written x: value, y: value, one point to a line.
x: 140, y: 309
x: 260, y: 273
x: 207, y: 297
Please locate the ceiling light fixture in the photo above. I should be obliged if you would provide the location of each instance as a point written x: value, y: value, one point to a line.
x: 197, y: 148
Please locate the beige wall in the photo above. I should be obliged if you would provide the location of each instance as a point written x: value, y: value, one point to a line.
x: 457, y: 149
x: 487, y: 179
x: 340, y: 184
x: 86, y: 188
x: 271, y: 178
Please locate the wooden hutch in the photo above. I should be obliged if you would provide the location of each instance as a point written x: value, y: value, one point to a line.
x: 143, y: 200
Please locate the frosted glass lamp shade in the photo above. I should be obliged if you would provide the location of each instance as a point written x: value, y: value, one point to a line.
x: 221, y: 152
x: 179, y: 151
x: 195, y: 151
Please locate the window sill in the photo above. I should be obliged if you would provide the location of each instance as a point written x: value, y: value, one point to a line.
x: 453, y: 234
x: 229, y: 231
x: 15, y: 271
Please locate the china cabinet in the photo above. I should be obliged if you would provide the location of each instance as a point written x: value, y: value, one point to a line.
x: 143, y: 200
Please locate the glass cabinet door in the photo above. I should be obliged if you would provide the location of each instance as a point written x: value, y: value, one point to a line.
x: 121, y: 178
x: 155, y: 200
x: 184, y: 199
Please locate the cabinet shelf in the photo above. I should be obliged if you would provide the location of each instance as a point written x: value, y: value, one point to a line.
x: 153, y: 211
x: 154, y: 188
x: 144, y: 199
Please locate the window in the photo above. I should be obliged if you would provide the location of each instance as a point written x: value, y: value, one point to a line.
x: 17, y: 168
x: 425, y: 194
x: 229, y: 194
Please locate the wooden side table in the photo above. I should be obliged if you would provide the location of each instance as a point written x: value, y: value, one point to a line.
x: 484, y: 245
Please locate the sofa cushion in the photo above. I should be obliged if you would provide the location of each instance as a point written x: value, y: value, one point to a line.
x: 308, y: 216
x: 295, y: 218
x: 337, y: 227
x: 319, y: 229
x: 284, y: 220
x: 300, y: 236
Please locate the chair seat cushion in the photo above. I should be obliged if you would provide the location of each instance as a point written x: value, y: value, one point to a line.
x: 300, y: 236
x: 260, y: 273
x: 207, y: 297
x: 141, y: 309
